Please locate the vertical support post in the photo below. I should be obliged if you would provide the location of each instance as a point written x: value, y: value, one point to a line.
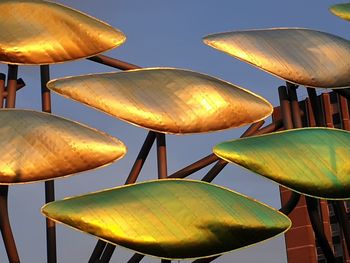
x: 49, y: 185
x: 11, y: 86
x: 161, y: 156
x: 2, y: 89
x: 5, y: 226
x: 313, y: 205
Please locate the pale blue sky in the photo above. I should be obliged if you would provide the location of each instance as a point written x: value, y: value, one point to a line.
x: 162, y: 33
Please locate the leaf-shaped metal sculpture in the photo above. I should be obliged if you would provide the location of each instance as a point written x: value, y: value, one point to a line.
x: 166, y: 100
x: 37, y: 146
x: 312, y: 161
x: 301, y: 56
x: 341, y: 10
x: 171, y: 218
x: 40, y: 32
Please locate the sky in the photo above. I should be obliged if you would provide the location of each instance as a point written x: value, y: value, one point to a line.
x: 162, y: 33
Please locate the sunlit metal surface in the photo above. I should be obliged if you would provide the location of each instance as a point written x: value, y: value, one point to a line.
x: 171, y: 218
x: 166, y: 100
x: 312, y: 161
x: 301, y: 56
x: 341, y: 10
x: 36, y: 146
x: 40, y: 32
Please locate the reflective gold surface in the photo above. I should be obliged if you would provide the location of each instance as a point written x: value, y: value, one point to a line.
x: 40, y: 32
x: 312, y: 161
x: 37, y: 146
x: 341, y: 10
x: 298, y: 55
x: 166, y: 100
x: 171, y: 218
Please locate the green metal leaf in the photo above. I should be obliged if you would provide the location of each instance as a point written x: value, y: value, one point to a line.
x: 312, y: 161
x: 171, y: 218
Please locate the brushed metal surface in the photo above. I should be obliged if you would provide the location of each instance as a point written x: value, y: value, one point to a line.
x: 171, y: 218
x: 40, y: 32
x: 301, y: 56
x: 166, y: 100
x: 37, y: 146
x: 312, y: 161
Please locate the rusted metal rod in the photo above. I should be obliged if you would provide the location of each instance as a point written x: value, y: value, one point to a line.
x: 141, y: 158
x: 112, y: 62
x: 161, y: 156
x: 49, y: 185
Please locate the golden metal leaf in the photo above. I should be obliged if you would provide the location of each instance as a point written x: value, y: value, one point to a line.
x: 301, y: 56
x: 172, y: 219
x: 341, y: 10
x: 312, y: 161
x: 36, y: 146
x: 40, y: 32
x: 166, y: 100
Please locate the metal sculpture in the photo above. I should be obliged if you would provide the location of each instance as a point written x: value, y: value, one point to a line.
x: 166, y: 100
x: 174, y: 218
x: 320, y: 171
x: 190, y: 103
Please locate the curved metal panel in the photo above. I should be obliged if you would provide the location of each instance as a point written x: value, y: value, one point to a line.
x: 341, y: 10
x: 166, y: 100
x: 40, y: 32
x: 301, y: 56
x: 36, y: 146
x: 171, y: 218
x: 312, y: 161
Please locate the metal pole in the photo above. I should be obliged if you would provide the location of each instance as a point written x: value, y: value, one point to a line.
x: 102, y: 249
x: 312, y: 204
x: 11, y: 86
x: 2, y: 89
x: 5, y: 225
x: 107, y: 254
x: 196, y: 166
x: 136, y: 258
x: 112, y: 62
x: 161, y: 156
x: 141, y: 158
x: 312, y: 208
x: 49, y: 185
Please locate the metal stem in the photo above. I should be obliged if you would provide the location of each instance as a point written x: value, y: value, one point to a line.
x: 165, y: 261
x: 5, y: 227
x: 252, y: 129
x: 161, y: 156
x: 11, y: 86
x: 196, y: 166
x: 312, y: 203
x: 2, y: 89
x: 343, y: 219
x: 214, y: 171
x: 205, y: 260
x: 315, y: 106
x: 107, y: 254
x: 136, y: 258
x: 312, y: 208
x: 112, y: 62
x: 98, y: 250
x: 141, y: 158
x: 288, y: 207
x: 343, y: 92
x: 49, y: 185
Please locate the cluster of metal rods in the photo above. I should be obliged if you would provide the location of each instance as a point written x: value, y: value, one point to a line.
x: 291, y: 118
